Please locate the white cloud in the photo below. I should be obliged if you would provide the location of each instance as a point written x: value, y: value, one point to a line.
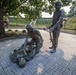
x: 66, y: 9
x: 22, y: 15
x: 46, y: 15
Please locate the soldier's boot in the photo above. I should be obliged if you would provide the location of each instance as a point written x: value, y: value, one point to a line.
x: 53, y: 51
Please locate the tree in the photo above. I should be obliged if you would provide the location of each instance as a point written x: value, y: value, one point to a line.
x: 72, y: 11
x: 32, y: 8
x: 49, y: 5
x: 7, y: 6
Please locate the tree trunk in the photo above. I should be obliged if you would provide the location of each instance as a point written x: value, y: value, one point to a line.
x: 2, y: 29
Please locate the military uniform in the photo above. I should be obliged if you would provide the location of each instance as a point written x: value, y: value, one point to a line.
x: 56, y: 31
x: 36, y: 37
x: 56, y: 25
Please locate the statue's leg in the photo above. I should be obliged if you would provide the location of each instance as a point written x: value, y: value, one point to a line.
x: 57, y: 33
x: 55, y: 40
x: 32, y: 53
x: 38, y: 46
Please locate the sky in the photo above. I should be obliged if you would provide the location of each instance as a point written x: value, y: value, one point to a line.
x: 47, y: 15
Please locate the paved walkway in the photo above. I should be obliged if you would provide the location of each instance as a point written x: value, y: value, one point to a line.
x: 63, y: 62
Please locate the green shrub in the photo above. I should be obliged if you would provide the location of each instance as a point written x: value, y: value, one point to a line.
x: 10, y: 30
x: 71, y: 23
x: 16, y: 30
x: 23, y: 31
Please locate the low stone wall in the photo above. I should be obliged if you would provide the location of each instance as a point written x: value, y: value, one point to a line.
x: 69, y: 31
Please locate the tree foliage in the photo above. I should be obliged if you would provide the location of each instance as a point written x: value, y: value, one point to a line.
x: 72, y: 11
x: 32, y: 8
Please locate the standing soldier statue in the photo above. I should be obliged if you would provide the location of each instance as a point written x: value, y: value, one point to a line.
x: 56, y: 25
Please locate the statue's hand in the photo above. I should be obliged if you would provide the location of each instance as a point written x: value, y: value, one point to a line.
x: 51, y: 29
x: 46, y: 29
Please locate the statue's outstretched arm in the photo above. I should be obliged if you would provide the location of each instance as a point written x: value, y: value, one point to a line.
x: 61, y: 19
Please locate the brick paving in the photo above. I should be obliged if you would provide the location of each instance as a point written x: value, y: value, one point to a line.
x: 63, y: 62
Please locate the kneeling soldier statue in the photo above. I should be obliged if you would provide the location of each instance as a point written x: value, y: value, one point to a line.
x: 29, y: 48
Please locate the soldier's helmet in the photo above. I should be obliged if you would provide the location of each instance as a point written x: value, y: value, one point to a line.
x: 58, y: 4
x: 29, y: 27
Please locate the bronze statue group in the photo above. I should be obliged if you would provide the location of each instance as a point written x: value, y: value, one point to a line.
x: 29, y: 49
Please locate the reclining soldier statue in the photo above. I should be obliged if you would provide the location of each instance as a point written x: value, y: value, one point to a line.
x: 29, y: 48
